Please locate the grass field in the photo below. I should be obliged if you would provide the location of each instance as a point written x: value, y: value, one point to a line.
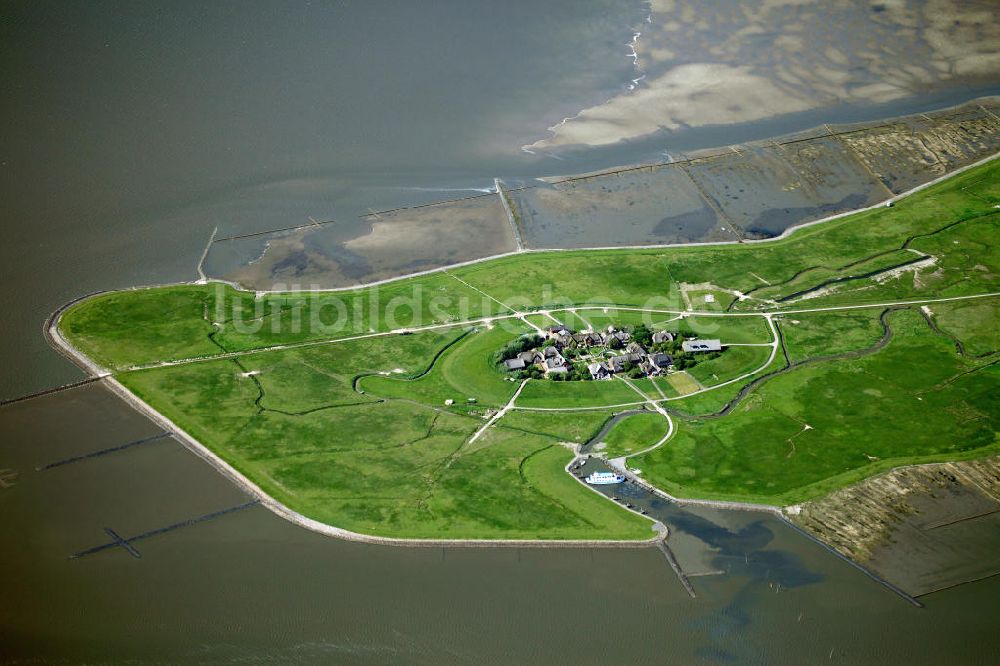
x: 683, y: 383
x: 575, y: 427
x: 729, y: 330
x: 915, y: 400
x: 971, y: 323
x: 464, y: 371
x: 356, y: 432
x: 576, y: 394
x: 734, y: 362
x: 635, y: 433
x: 822, y: 333
x: 573, y: 321
x: 392, y: 467
x: 601, y: 318
x: 655, y: 388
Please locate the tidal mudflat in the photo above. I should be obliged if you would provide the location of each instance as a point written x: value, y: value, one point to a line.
x: 378, y: 246
x: 750, y: 191
x: 926, y: 528
x: 759, y: 189
x: 719, y: 62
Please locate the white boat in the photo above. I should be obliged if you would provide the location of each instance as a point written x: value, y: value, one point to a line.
x: 604, y: 478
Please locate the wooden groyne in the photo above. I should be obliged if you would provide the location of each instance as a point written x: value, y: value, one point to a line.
x: 117, y: 540
x: 824, y: 131
x: 254, y: 234
x: 442, y: 202
x: 57, y: 389
x: 113, y: 449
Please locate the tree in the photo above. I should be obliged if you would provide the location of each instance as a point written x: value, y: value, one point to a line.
x: 515, y: 347
x: 642, y: 335
x: 677, y: 346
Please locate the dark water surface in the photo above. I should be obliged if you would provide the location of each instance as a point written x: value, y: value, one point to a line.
x: 250, y: 587
x: 130, y: 130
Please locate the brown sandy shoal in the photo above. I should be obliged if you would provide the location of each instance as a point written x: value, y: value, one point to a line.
x: 398, y: 242
x: 923, y: 528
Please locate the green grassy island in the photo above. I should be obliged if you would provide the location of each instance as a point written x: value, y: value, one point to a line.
x: 850, y: 346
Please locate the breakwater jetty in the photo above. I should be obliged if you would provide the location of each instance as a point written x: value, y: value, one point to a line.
x: 672, y: 561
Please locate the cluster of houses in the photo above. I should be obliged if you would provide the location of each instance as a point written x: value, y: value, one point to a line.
x: 548, y: 359
x: 625, y: 353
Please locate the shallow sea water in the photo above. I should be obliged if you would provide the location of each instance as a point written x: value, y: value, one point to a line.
x: 134, y: 130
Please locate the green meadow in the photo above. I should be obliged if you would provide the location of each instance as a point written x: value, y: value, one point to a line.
x: 358, y: 408
x: 635, y: 433
x: 833, y: 422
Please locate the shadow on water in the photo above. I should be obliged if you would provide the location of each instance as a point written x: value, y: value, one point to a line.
x: 774, y: 221
x: 751, y: 565
x: 741, y: 543
x: 745, y: 551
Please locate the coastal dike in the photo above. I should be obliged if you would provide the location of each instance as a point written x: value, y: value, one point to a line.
x: 925, y: 528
